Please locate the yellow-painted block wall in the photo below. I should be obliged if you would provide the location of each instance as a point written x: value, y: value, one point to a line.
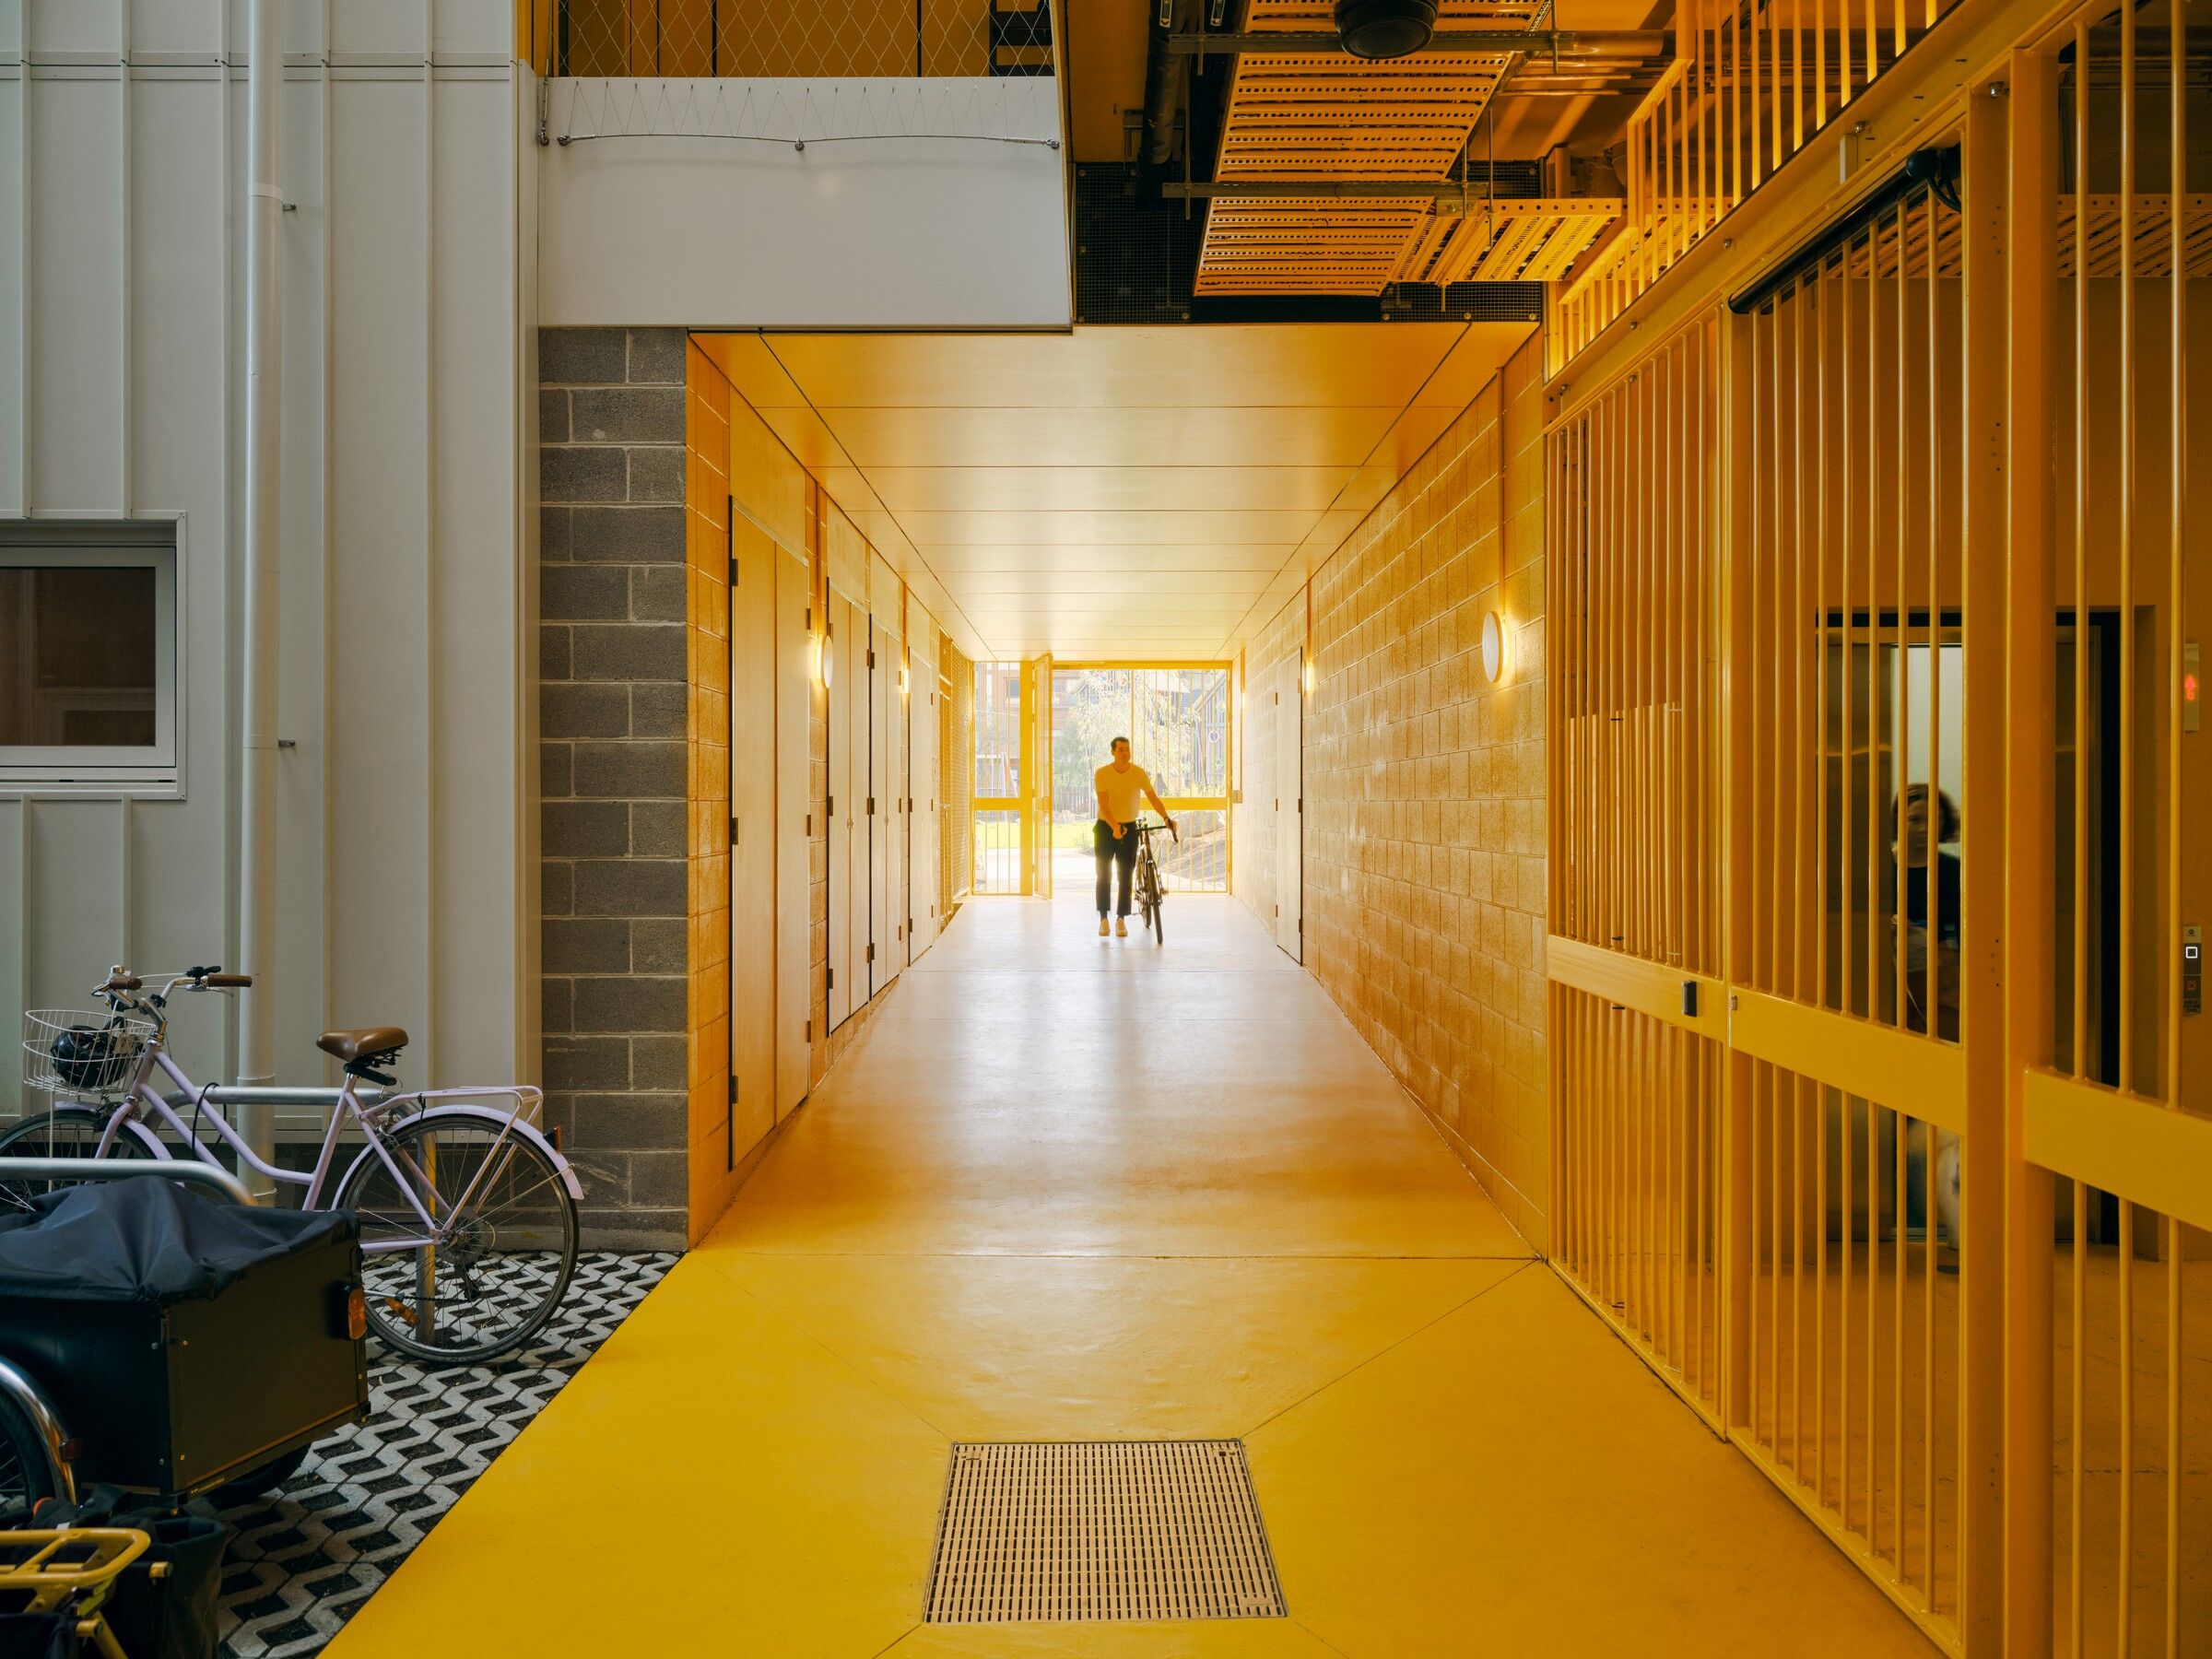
x: 1424, y: 856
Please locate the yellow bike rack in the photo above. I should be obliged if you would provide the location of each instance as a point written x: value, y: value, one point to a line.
x: 72, y: 1569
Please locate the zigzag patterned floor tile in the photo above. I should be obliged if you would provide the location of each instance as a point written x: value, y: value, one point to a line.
x: 304, y: 1558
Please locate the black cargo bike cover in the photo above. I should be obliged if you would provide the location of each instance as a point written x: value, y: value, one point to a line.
x: 145, y: 1239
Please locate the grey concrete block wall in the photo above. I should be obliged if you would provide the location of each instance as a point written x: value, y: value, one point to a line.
x: 613, y: 769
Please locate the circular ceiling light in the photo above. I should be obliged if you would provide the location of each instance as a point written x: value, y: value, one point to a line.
x: 1384, y: 29
x: 1494, y: 647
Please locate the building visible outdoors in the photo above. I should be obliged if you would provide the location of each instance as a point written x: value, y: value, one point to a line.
x: 1655, y: 1099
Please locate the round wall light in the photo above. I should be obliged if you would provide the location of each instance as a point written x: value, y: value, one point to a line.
x: 1384, y: 29
x: 822, y: 652
x: 1308, y: 677
x: 1496, y: 647
x: 902, y: 681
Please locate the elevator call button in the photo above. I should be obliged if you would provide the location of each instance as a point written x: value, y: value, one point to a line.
x: 2192, y: 969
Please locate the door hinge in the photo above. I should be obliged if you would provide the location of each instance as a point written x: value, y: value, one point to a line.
x: 831, y: 804
x: 810, y: 824
x: 871, y: 656
x: 833, y: 984
x: 871, y: 807
x: 733, y: 1089
x: 729, y: 539
x: 810, y: 1031
x: 871, y: 957
x: 734, y: 822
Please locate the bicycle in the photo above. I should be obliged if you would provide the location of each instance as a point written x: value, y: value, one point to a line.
x: 468, y: 1212
x: 1151, y: 898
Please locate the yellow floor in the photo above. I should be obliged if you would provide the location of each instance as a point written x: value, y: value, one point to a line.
x: 1071, y: 1188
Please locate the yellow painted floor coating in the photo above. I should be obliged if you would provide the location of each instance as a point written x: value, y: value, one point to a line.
x: 1066, y: 1187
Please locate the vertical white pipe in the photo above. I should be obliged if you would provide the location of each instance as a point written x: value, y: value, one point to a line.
x: 257, y: 817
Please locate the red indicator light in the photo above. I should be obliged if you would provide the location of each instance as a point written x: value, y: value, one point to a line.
x: 2188, y: 688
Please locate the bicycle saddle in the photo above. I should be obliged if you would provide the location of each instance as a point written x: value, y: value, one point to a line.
x: 366, y: 1043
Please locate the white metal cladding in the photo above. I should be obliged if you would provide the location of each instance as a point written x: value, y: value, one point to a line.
x: 1101, y: 1530
x: 405, y: 890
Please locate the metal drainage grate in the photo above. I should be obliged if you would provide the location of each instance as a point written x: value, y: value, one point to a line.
x: 1057, y: 1532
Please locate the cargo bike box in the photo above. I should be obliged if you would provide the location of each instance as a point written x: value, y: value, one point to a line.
x: 183, y: 1343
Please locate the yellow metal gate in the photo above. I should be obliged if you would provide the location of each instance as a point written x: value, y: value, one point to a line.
x: 1882, y: 1110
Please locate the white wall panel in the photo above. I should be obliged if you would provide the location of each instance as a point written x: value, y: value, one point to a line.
x: 72, y: 867
x: 891, y: 233
x: 74, y: 26
x: 15, y: 884
x: 177, y: 875
x: 476, y: 718
x: 299, y: 997
x: 73, y: 289
x: 380, y: 603
x: 14, y: 227
x: 407, y: 806
x: 163, y: 27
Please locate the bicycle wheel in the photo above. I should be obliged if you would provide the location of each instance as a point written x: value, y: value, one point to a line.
x: 505, y: 1261
x: 1148, y: 896
x: 25, y: 1476
x: 65, y: 1132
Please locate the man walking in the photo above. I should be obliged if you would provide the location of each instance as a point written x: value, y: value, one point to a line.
x: 1113, y: 837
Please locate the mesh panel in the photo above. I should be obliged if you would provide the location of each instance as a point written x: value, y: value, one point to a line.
x: 772, y: 39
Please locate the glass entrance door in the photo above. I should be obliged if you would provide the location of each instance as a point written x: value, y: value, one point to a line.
x: 1176, y: 718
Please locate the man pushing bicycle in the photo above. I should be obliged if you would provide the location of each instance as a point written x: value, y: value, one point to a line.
x: 1113, y: 837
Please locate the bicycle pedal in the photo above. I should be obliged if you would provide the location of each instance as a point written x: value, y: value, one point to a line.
x: 400, y: 1308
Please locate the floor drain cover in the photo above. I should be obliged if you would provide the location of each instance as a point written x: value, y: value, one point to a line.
x: 1060, y: 1532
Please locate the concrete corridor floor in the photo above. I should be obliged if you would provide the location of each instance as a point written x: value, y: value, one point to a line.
x: 1071, y: 1188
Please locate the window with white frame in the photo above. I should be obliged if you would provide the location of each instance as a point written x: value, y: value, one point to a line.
x: 88, y: 673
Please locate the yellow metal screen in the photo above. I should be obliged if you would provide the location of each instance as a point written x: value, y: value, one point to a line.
x: 1880, y: 1109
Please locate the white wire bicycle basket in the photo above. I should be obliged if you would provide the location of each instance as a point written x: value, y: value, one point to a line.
x: 80, y: 1052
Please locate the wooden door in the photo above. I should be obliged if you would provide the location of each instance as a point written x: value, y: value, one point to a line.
x: 794, y: 677
x: 752, y: 896
x: 1290, y: 814
x: 925, y: 882
x: 859, y: 850
x: 839, y: 805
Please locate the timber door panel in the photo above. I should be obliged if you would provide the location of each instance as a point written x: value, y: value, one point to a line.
x: 1289, y: 821
x: 854, y: 805
x: 795, y: 707
x: 922, y: 793
x: 841, y: 693
x: 752, y: 919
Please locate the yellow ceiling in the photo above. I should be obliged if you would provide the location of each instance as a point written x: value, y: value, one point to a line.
x: 1112, y: 492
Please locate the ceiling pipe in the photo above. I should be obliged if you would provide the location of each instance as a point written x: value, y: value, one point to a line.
x: 1563, y: 44
x: 257, y: 808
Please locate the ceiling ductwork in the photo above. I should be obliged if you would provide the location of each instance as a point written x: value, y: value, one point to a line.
x: 1339, y: 113
x: 1381, y: 29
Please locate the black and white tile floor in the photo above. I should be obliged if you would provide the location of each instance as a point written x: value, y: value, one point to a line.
x: 303, y: 1558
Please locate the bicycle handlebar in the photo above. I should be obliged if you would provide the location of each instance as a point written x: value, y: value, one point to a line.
x: 121, y: 982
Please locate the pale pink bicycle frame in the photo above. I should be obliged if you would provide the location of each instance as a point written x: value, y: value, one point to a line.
x: 144, y: 1100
